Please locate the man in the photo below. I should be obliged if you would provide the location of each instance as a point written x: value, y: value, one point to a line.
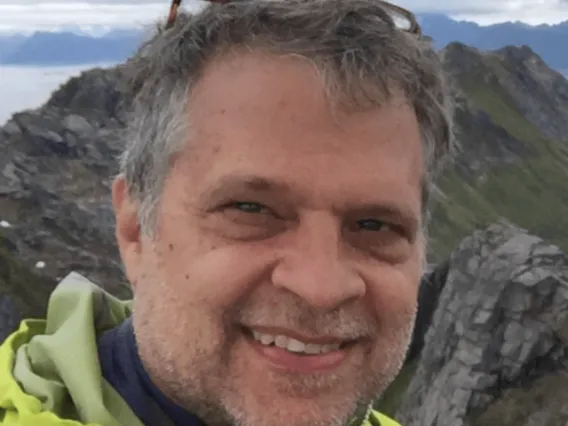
x: 270, y: 215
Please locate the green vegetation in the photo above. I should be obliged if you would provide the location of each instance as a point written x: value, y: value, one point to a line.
x: 543, y: 399
x: 532, y: 194
x: 29, y: 291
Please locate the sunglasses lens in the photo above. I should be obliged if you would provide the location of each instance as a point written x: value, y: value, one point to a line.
x: 401, y: 20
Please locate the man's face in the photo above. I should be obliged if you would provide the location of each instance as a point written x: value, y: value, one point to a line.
x: 280, y: 285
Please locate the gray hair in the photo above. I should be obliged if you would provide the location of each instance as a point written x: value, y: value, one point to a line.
x: 354, y: 44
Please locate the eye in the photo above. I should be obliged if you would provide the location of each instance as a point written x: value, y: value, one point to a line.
x: 372, y: 225
x: 249, y: 207
x: 381, y: 239
x: 248, y: 221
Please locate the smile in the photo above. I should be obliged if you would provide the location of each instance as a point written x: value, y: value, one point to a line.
x: 299, y: 354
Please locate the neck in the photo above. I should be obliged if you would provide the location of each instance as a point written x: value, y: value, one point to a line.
x: 122, y: 367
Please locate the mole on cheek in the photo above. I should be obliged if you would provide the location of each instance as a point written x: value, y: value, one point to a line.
x: 171, y: 246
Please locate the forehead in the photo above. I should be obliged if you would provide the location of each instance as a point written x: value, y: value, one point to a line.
x: 267, y: 116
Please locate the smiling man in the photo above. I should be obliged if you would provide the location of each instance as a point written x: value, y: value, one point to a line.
x: 270, y: 215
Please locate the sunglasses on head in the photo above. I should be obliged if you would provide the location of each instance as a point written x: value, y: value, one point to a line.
x: 402, y: 18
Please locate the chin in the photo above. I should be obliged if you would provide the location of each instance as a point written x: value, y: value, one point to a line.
x: 294, y: 412
x: 257, y: 397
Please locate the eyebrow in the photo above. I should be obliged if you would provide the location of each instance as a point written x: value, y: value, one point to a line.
x: 234, y: 183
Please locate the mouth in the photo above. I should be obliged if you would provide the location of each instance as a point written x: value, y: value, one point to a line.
x: 297, y: 354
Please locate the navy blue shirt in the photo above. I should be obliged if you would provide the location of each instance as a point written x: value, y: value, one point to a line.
x: 122, y: 368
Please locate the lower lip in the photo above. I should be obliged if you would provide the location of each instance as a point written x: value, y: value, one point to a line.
x: 288, y: 361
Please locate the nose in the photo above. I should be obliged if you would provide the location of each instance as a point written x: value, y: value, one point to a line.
x: 314, y: 267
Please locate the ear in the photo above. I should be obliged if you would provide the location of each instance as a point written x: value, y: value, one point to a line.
x: 128, y: 234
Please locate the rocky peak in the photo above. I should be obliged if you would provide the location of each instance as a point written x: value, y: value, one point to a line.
x: 511, y: 125
x: 539, y: 93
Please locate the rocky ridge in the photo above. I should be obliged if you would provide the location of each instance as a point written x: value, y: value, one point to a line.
x: 512, y: 159
x: 56, y: 168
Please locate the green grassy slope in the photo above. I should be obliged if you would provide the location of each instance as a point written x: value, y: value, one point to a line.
x: 531, y: 193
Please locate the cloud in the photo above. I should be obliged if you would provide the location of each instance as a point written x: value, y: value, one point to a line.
x: 33, y: 3
x: 487, y: 11
x: 30, y: 15
x: 44, y: 15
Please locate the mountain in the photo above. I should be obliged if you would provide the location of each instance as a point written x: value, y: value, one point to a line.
x: 512, y: 126
x: 490, y: 346
x: 10, y: 43
x: 69, y: 48
x: 547, y: 40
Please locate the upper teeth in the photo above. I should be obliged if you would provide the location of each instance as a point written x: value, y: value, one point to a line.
x: 294, y: 345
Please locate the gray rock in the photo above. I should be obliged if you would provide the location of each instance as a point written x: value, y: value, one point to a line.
x: 499, y: 330
x: 55, y: 174
x: 77, y: 124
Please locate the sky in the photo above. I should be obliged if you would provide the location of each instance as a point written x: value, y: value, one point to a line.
x: 98, y: 15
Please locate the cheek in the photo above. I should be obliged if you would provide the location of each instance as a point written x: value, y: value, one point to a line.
x: 393, y: 295
x: 217, y: 276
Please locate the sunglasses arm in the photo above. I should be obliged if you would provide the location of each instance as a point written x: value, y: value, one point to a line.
x: 173, y: 13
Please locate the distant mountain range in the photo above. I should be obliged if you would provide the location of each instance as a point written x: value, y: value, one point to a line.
x: 68, y: 48
x: 548, y: 41
x: 75, y: 47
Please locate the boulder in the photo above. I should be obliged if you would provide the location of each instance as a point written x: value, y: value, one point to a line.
x: 496, y: 351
